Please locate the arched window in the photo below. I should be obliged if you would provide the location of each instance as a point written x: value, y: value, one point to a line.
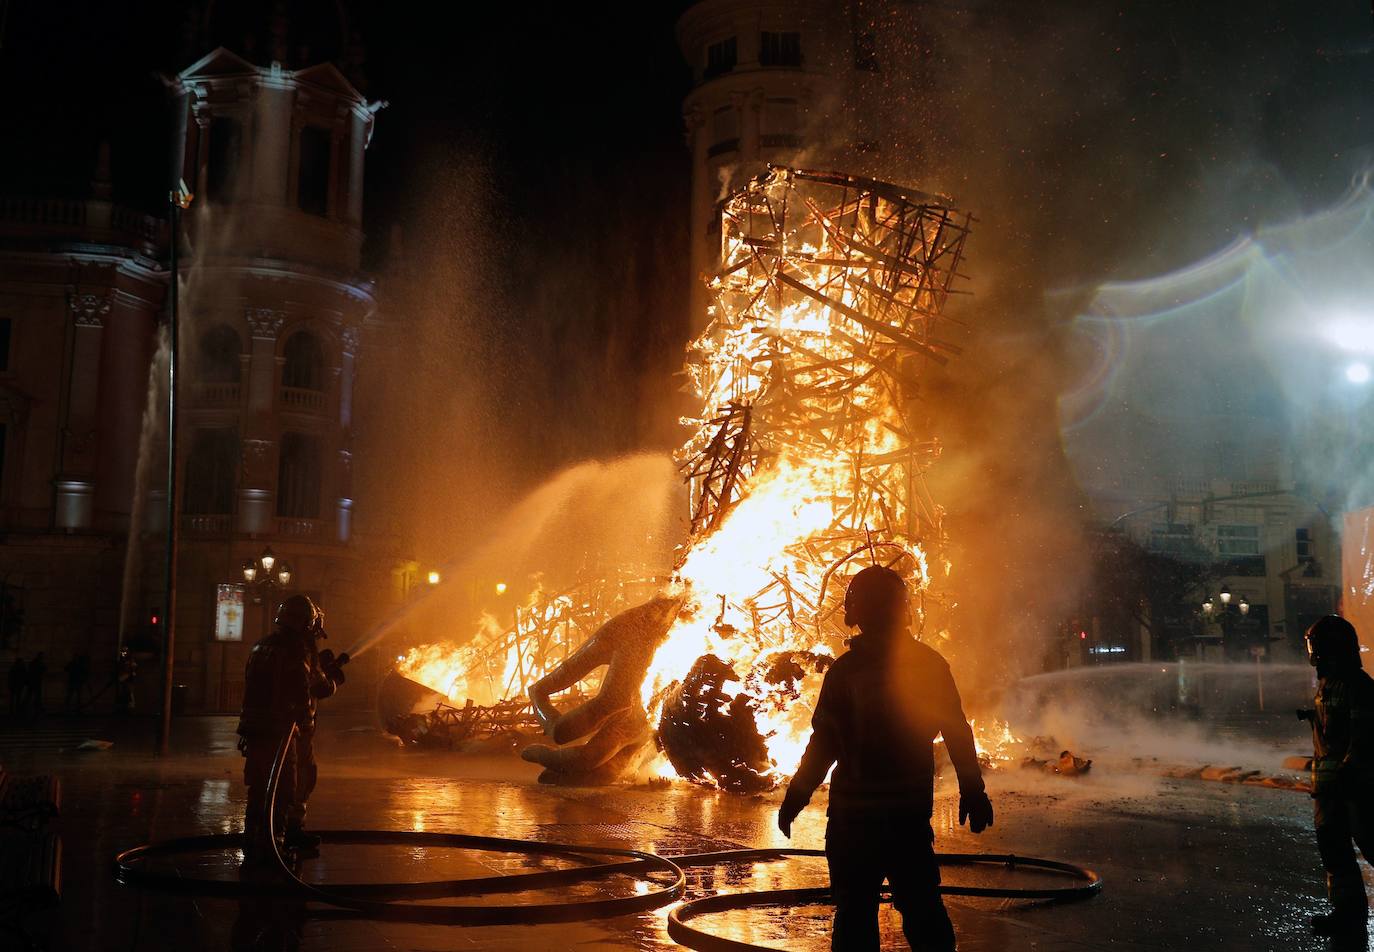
x: 220, y: 353
x: 298, y: 477
x: 304, y: 367
x: 212, y: 472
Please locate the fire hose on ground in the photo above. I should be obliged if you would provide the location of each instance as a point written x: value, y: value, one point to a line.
x: 399, y: 901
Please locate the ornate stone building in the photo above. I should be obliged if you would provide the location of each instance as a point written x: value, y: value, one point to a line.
x: 274, y: 309
x: 274, y: 306
x: 774, y: 82
x: 81, y: 292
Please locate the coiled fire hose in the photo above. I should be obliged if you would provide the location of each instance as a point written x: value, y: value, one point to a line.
x: 385, y: 900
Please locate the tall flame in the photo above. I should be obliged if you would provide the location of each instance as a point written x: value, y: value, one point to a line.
x: 807, y: 459
x: 806, y: 462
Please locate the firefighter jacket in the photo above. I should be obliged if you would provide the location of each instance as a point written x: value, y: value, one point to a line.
x: 881, y: 706
x: 282, y: 683
x: 1343, y: 734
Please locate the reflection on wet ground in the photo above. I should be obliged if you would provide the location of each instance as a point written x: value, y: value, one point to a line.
x: 1186, y: 864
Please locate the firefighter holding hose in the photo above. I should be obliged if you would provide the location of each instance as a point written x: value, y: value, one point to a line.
x: 1342, y: 774
x: 287, y: 675
x: 881, y: 705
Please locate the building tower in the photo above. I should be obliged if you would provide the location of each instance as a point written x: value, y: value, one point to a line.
x: 274, y: 304
x: 767, y: 82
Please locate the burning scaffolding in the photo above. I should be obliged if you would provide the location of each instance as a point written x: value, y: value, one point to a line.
x: 501, y: 662
x: 806, y: 463
x: 808, y: 460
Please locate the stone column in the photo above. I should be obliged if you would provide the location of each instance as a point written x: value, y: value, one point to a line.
x: 128, y: 339
x: 272, y: 141
x: 202, y: 163
x: 256, y: 494
x: 293, y: 157
x: 334, y: 204
x: 264, y: 323
x: 350, y: 338
x: 357, y: 142
x: 76, y: 483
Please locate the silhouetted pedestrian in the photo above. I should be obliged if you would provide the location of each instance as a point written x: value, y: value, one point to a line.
x: 78, y: 677
x: 18, y: 684
x: 1342, y: 775
x: 881, y: 705
x: 38, y: 670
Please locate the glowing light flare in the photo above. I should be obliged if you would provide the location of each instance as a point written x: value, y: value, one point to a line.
x: 1354, y: 335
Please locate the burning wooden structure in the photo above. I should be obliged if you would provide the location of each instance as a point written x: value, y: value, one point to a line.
x: 806, y: 463
x: 808, y: 459
x: 503, y: 662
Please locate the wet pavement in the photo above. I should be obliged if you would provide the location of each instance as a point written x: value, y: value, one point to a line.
x: 1186, y: 864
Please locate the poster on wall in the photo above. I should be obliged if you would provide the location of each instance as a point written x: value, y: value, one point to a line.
x: 229, y: 613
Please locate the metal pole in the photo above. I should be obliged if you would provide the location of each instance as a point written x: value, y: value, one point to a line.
x: 169, y: 605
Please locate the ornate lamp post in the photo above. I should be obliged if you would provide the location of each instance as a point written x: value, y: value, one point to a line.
x: 1226, y: 617
x: 267, y: 570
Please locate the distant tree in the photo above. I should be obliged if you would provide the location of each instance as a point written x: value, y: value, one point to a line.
x: 1159, y: 590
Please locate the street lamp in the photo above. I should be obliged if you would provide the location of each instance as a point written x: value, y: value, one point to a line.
x: 267, y: 569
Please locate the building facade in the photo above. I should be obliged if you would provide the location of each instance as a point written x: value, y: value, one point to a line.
x: 1265, y: 557
x: 274, y: 307
x: 274, y: 311
x: 82, y: 290
x: 767, y: 83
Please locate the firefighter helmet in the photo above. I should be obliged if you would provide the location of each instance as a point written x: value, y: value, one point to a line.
x: 1332, y: 641
x: 297, y: 613
x: 873, y: 597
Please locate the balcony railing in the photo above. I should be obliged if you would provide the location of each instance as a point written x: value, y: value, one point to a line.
x: 207, y: 523
x: 291, y: 527
x: 218, y: 394
x: 84, y: 220
x: 302, y: 400
x: 778, y: 140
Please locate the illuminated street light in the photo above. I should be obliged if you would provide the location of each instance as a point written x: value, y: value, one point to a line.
x: 500, y: 588
x: 1207, y: 606
x: 1225, y: 596
x: 1244, y: 606
x: 434, y: 578
x: 259, y: 571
